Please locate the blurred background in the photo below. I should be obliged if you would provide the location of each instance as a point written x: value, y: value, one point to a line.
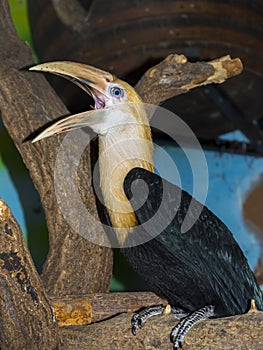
x: 127, y: 38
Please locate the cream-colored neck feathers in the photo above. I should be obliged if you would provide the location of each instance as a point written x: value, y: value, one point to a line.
x: 122, y: 148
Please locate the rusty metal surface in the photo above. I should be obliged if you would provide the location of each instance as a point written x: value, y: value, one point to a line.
x: 123, y: 35
x: 127, y: 37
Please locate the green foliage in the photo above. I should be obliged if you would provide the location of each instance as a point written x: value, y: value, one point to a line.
x: 19, y: 14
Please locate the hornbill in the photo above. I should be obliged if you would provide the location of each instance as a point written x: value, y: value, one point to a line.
x: 202, y: 272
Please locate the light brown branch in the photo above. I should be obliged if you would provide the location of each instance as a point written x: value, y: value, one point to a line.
x: 243, y: 332
x: 175, y: 75
x: 100, y: 306
x: 26, y: 317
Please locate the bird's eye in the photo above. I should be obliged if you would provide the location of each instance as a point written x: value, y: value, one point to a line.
x: 117, y: 92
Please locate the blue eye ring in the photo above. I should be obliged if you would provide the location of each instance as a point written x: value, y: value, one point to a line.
x: 117, y: 92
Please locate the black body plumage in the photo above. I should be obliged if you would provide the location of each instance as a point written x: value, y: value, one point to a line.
x: 203, y: 266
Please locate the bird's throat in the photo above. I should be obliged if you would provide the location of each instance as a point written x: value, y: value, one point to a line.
x: 120, y: 150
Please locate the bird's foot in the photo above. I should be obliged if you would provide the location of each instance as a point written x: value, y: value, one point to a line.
x: 142, y: 316
x: 178, y: 313
x: 179, y: 332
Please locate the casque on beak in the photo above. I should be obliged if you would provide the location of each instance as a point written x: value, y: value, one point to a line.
x: 92, y: 80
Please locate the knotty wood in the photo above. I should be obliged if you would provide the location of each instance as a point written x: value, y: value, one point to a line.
x: 27, y: 103
x: 243, y: 332
x: 26, y: 318
x: 175, y: 75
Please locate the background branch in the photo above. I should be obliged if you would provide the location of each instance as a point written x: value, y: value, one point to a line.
x: 175, y: 75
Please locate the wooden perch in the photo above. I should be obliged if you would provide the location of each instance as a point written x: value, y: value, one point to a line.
x: 26, y: 318
x: 175, y: 76
x: 242, y: 332
x: 86, y: 309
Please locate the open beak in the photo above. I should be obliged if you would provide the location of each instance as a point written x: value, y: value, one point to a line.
x: 92, y: 80
x: 93, y: 119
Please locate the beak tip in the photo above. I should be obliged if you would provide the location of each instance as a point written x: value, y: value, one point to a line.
x: 36, y: 139
x: 37, y: 68
x: 44, y: 134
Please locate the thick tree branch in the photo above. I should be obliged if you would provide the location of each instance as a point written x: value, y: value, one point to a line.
x: 243, y: 332
x: 175, y: 76
x: 27, y: 103
x: 26, y: 318
x: 73, y: 311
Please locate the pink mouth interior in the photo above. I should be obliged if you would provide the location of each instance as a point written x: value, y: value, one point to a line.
x: 99, y: 102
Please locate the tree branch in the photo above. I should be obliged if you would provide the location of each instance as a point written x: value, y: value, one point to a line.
x: 175, y: 75
x: 26, y: 318
x: 242, y: 332
x: 27, y: 103
x: 92, y: 308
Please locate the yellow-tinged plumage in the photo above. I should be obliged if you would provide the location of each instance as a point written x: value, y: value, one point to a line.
x: 123, y: 129
x: 121, y: 149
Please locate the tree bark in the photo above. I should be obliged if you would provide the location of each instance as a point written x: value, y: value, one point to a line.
x: 26, y: 317
x: 243, y: 332
x: 90, y: 308
x: 27, y: 103
x: 175, y: 76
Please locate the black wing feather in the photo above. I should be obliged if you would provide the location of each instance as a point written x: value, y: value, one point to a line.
x: 202, y: 266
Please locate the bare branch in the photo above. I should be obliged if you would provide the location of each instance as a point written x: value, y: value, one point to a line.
x: 175, y: 75
x: 92, y: 308
x: 242, y: 332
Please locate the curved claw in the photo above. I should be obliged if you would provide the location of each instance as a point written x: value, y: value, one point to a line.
x: 136, y: 322
x: 179, y: 332
x: 142, y: 316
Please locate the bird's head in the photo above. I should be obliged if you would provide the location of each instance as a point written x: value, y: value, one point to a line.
x: 107, y: 91
x: 120, y: 120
